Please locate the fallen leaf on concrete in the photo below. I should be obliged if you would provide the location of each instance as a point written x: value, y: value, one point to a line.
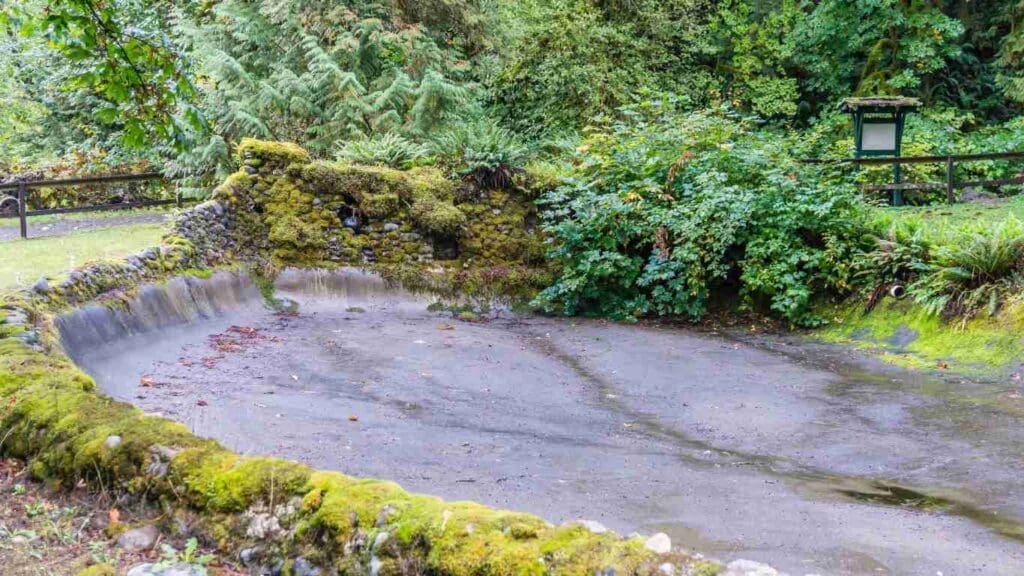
x: 146, y: 381
x: 201, y: 403
x: 353, y: 418
x: 446, y: 327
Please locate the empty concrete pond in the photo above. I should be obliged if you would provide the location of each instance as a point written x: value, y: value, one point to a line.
x: 772, y: 450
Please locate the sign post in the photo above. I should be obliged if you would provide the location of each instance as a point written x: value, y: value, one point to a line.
x: 878, y: 123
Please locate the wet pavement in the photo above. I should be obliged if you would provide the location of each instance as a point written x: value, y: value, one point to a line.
x: 769, y: 449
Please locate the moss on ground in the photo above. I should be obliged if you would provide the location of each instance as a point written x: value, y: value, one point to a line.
x: 906, y: 335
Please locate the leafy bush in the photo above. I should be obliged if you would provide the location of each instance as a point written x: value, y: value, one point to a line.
x: 389, y: 150
x: 977, y: 272
x: 666, y: 211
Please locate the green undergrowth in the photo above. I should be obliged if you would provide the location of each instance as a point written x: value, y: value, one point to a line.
x: 903, y: 333
x: 941, y: 221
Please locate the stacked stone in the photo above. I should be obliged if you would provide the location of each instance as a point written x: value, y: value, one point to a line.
x: 207, y: 226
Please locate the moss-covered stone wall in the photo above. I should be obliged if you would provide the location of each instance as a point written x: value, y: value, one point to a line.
x: 299, y: 212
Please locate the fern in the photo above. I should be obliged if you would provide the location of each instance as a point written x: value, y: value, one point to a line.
x: 978, y: 272
x: 389, y: 150
x: 482, y: 151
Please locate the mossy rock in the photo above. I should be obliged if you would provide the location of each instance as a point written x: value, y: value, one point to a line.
x: 98, y: 570
x: 380, y: 206
x: 261, y: 153
x: 438, y: 217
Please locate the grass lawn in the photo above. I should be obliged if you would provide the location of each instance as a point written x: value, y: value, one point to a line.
x: 943, y: 221
x: 22, y: 262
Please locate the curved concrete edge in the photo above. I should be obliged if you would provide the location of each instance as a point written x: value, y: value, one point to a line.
x: 271, y: 513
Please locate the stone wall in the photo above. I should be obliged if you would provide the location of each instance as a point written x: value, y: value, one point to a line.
x: 207, y: 227
x: 300, y: 212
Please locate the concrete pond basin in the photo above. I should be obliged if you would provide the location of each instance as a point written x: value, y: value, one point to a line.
x: 771, y: 450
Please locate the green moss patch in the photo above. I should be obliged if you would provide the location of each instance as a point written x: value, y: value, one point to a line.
x: 904, y: 334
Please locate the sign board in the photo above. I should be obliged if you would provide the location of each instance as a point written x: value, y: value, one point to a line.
x: 879, y: 137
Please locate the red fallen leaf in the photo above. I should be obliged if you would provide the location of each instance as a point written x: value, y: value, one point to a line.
x: 247, y: 331
x: 353, y: 418
x: 201, y: 403
x: 146, y: 381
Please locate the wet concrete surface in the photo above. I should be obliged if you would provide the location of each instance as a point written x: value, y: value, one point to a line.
x: 767, y: 449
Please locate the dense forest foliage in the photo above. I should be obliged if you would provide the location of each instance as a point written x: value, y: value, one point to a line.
x: 662, y: 135
x: 96, y: 81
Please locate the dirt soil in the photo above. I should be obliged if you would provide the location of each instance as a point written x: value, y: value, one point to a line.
x: 46, y: 532
x: 765, y: 449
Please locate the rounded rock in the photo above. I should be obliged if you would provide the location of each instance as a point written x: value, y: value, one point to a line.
x: 302, y: 567
x: 749, y: 568
x: 138, y: 539
x: 593, y: 526
x: 660, y: 543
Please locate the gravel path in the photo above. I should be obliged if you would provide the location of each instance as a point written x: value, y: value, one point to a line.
x: 71, y: 225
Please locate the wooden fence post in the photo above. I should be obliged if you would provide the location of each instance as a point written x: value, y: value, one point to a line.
x: 23, y: 208
x: 949, y: 180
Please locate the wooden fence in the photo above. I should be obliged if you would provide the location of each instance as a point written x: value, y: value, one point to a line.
x: 950, y: 185
x: 22, y: 189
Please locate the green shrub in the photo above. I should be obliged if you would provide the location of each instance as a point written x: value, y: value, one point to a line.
x: 665, y: 212
x: 900, y: 256
x: 483, y: 151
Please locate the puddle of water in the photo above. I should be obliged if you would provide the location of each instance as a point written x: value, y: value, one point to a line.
x: 804, y: 478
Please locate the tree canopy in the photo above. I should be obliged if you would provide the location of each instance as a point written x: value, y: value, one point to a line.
x: 182, y: 81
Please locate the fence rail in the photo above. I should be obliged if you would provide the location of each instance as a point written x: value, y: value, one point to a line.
x: 950, y: 160
x: 22, y: 187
